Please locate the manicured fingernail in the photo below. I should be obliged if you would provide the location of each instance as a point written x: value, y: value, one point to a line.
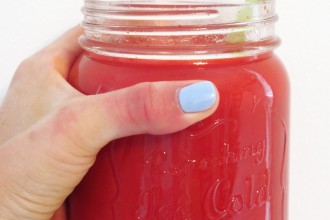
x: 197, y: 97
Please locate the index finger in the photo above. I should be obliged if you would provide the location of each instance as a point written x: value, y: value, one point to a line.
x: 64, y: 51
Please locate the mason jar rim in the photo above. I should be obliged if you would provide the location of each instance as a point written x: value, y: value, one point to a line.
x: 228, y: 27
x: 181, y: 2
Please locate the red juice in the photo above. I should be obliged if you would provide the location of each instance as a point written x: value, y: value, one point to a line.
x: 230, y: 166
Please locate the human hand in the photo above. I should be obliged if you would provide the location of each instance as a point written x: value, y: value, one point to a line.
x: 51, y: 133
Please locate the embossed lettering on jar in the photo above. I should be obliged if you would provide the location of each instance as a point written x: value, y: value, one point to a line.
x: 230, y: 166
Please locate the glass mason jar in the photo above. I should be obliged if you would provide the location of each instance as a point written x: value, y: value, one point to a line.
x: 230, y: 166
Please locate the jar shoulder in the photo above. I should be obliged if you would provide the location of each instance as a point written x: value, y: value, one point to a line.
x: 89, y: 73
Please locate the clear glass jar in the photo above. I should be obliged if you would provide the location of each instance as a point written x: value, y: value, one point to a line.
x: 230, y: 166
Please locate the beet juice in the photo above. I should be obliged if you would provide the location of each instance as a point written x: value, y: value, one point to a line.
x: 230, y: 166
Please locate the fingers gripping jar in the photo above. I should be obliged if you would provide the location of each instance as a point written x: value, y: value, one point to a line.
x: 230, y: 166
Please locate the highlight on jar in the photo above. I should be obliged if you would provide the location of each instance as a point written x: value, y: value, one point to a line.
x: 232, y: 165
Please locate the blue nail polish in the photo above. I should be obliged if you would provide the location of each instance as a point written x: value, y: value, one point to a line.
x: 197, y: 97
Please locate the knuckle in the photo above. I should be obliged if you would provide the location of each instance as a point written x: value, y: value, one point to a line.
x: 66, y: 121
x: 33, y: 62
x: 65, y: 118
x: 30, y: 66
x: 26, y: 65
x: 71, y: 127
x: 23, y: 70
x: 36, y: 62
x: 142, y: 105
x: 149, y: 106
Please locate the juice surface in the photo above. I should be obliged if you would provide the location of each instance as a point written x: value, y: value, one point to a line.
x: 230, y: 166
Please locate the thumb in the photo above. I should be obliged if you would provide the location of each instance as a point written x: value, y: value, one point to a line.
x: 89, y: 123
x: 44, y: 164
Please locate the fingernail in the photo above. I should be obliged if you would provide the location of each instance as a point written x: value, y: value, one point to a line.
x: 197, y: 97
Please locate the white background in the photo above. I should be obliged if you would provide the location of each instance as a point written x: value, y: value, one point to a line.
x: 26, y: 26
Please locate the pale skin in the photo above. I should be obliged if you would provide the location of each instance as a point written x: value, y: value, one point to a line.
x: 50, y: 133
